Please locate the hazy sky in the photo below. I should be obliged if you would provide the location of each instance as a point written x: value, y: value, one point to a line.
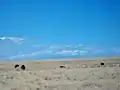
x: 33, y: 29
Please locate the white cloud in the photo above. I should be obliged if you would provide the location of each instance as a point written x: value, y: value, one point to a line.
x: 53, y: 50
x: 20, y: 56
x: 58, y: 46
x: 83, y: 52
x: 32, y: 54
x: 49, y: 52
x: 38, y: 45
x: 16, y: 40
x: 66, y: 52
x: 116, y: 49
x: 55, y: 47
x: 97, y: 51
x: 72, y: 52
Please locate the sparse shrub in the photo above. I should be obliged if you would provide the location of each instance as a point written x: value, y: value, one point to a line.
x: 39, y: 83
x: 92, y: 85
x: 98, y: 66
x: 37, y: 79
x: 30, y: 72
x: 78, y: 66
x: 8, y: 77
x: 68, y: 78
x: 17, y: 69
x: 74, y: 79
x: 32, y: 82
x: 117, y: 65
x: 50, y: 78
x: 11, y: 77
x: 37, y: 88
x: 59, y: 77
x: 47, y: 78
x: 69, y: 67
x: 113, y: 77
x: 84, y: 66
x: 101, y: 78
x: 95, y: 66
x: 45, y: 86
x: 91, y: 66
x: 118, y: 87
x: 34, y: 73
x: 78, y: 88
x: 110, y: 65
x: 13, y: 88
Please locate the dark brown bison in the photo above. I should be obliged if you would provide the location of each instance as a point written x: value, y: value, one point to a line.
x: 16, y: 65
x: 23, y: 67
x: 102, y: 64
x: 62, y: 66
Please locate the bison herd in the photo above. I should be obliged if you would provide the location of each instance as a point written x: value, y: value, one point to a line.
x: 22, y: 66
x: 61, y: 66
x: 84, y: 65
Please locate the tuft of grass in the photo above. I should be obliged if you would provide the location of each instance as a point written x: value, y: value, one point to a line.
x: 13, y: 89
x: 59, y: 77
x: 74, y: 79
x: 38, y: 89
x: 30, y: 73
x: 45, y: 86
x: 68, y: 78
x: 48, y: 78
x: 78, y: 88
x: 37, y: 79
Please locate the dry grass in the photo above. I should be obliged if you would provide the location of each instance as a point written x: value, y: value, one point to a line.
x: 77, y: 75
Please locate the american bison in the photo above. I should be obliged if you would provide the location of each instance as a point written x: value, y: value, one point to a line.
x: 102, y: 64
x: 62, y: 66
x: 23, y: 67
x: 16, y: 65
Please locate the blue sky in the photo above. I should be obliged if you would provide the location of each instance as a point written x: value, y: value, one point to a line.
x: 28, y: 26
